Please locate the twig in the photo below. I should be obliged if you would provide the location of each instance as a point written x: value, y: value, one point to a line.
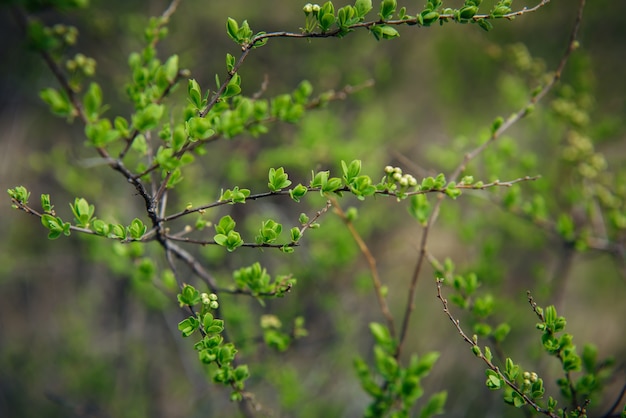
x: 369, y: 24
x: 616, y: 404
x: 371, y: 261
x: 312, y: 104
x: 478, y: 352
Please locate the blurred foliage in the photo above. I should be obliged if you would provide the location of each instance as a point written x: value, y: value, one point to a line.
x: 89, y: 328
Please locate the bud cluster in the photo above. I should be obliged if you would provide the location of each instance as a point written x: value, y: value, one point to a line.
x: 210, y: 300
x: 404, y: 180
x: 311, y: 8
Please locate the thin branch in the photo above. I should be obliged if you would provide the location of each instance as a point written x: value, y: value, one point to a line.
x: 367, y: 25
x: 312, y: 104
x: 618, y: 402
x: 495, y: 183
x: 572, y: 44
x: 211, y: 242
x: 478, y: 352
x: 371, y: 261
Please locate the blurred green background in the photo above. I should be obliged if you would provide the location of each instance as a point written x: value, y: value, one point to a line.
x: 81, y: 336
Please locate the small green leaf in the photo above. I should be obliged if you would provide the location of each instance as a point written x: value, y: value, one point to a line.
x: 55, y: 225
x: 148, y: 118
x: 363, y: 7
x: 278, y: 179
x: 46, y: 205
x: 225, y: 225
x: 20, y: 194
x: 381, y: 334
x: 137, y: 229
x: 420, y: 208
x: 233, y: 87
x: 435, y: 405
x: 295, y: 234
x: 384, y: 32
x: 92, y: 102
x: 59, y: 102
x: 485, y: 24
x: 232, y: 28
x: 83, y: 212
x: 170, y: 68
x: 298, y: 192
x: 387, y: 9
x: 494, y: 381
x: 198, y: 128
x: 230, y: 63
x: 195, y: 94
x: 188, y: 326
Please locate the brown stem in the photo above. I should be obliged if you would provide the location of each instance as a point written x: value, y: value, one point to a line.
x: 371, y: 261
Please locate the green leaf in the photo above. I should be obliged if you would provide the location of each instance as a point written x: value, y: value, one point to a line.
x: 269, y: 232
x: 386, y: 364
x: 46, y: 205
x: 233, y: 87
x: 494, y: 381
x: 83, y: 212
x: 565, y: 227
x: 384, y: 32
x: 420, y: 208
x: 467, y: 12
x: 188, y: 326
x: 198, y: 128
x: 231, y: 241
x: 148, y: 118
x: 189, y: 295
x: 427, y: 18
x: 137, y: 229
x: 166, y: 160
x: 59, y: 102
x: 295, y: 234
x: 298, y: 192
x: 278, y: 179
x: 452, y: 191
x: 20, y: 194
x: 55, y: 225
x: 381, y: 335
x: 351, y: 171
x: 101, y: 133
x: 230, y: 63
x: 92, y: 102
x: 195, y: 94
x: 232, y: 28
x: 170, y: 68
x: 421, y: 366
x: 500, y: 333
x: 387, y: 9
x: 326, y: 16
x: 225, y: 225
x: 118, y: 231
x: 435, y: 405
x: 363, y: 7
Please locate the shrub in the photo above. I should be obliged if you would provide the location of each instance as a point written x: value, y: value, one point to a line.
x: 259, y: 233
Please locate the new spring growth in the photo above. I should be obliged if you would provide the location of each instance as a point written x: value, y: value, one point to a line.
x: 530, y: 377
x: 210, y: 300
x: 310, y: 8
x: 404, y: 180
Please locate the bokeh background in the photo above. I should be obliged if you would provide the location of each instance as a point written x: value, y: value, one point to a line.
x: 83, y: 334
